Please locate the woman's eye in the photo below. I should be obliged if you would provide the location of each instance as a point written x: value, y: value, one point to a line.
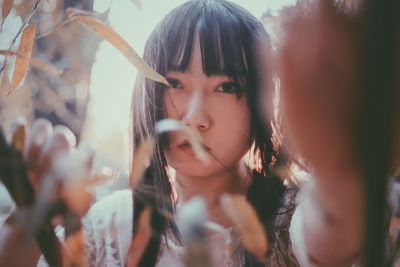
x: 229, y: 88
x: 175, y: 84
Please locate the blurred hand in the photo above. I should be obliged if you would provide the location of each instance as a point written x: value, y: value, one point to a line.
x: 56, y: 168
x: 318, y: 69
x: 318, y: 63
x: 48, y: 182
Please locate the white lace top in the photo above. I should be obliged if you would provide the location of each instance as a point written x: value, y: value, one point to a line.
x: 107, y: 229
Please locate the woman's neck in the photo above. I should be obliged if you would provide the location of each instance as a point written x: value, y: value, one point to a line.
x: 234, y: 181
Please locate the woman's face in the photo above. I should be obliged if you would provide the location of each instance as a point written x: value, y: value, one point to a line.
x: 210, y: 105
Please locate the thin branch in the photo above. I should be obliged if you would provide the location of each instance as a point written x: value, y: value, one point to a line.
x: 51, y: 29
x: 20, y: 31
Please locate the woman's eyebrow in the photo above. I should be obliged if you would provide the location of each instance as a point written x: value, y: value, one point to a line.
x: 224, y: 72
x: 218, y: 73
x: 238, y: 76
x: 173, y: 74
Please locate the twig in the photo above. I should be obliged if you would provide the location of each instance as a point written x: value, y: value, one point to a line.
x: 51, y: 29
x: 19, y: 32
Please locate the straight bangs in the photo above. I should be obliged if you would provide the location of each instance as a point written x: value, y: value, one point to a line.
x: 227, y: 40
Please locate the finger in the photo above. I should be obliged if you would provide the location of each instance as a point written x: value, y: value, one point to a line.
x: 38, y: 134
x: 89, y: 155
x: 18, y: 130
x: 62, y: 141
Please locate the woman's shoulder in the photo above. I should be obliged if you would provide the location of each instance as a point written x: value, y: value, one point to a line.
x: 114, y: 210
x: 118, y: 203
x: 107, y: 228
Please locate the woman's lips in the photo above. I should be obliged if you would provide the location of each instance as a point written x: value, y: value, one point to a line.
x: 187, y: 148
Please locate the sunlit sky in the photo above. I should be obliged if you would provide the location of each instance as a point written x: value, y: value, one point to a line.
x: 113, y: 76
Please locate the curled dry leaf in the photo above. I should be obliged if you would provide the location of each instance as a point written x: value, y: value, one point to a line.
x: 140, y: 240
x: 140, y: 160
x: 5, y: 10
x: 121, y: 44
x: 24, y: 52
x: 190, y: 217
x: 245, y: 220
x: 195, y: 139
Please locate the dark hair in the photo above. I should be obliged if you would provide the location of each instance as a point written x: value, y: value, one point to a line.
x: 231, y: 42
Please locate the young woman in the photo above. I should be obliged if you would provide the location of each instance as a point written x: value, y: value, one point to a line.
x: 210, y: 52
x: 216, y: 57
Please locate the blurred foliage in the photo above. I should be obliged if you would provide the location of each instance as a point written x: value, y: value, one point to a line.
x: 57, y: 82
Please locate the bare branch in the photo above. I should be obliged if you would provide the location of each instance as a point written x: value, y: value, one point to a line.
x: 31, y: 13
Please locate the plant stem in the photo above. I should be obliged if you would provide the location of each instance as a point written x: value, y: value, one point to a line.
x: 20, y: 31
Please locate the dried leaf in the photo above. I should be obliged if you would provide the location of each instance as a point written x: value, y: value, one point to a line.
x: 18, y: 138
x: 140, y: 240
x: 40, y: 64
x: 190, y: 217
x: 121, y: 44
x: 195, y: 139
x: 71, y: 12
x: 245, y: 220
x: 285, y: 173
x: 7, y: 53
x: 137, y: 3
x: 140, y: 160
x: 5, y: 10
x: 24, y: 52
x: 194, y: 104
x: 197, y: 254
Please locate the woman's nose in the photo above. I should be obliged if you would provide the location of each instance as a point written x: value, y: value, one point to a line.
x: 196, y: 114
